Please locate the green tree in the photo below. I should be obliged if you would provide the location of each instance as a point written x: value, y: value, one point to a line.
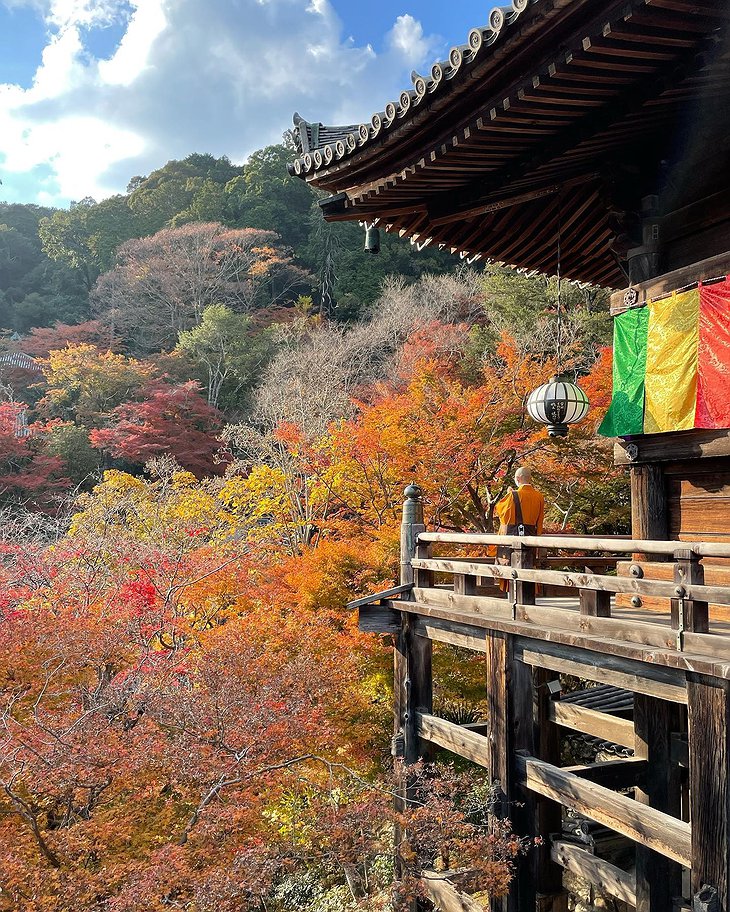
x: 86, y: 236
x: 230, y: 354
x: 70, y: 443
x: 267, y: 196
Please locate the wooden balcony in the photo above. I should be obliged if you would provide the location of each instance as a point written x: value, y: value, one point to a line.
x: 656, y: 689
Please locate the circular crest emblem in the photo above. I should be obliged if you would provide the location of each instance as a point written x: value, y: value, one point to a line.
x: 631, y: 296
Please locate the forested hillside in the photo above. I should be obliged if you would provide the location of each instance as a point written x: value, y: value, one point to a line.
x: 212, y: 402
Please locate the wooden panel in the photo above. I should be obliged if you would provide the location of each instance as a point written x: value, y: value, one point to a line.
x: 603, y: 875
x: 645, y: 825
x: 699, y: 501
x: 590, y: 722
x: 455, y: 738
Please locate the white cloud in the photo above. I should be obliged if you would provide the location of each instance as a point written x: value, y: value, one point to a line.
x: 220, y: 76
x: 407, y: 38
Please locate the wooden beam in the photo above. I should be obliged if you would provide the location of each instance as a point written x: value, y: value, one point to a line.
x: 672, y: 447
x: 644, y: 825
x: 444, y: 895
x: 617, y: 544
x: 603, y: 875
x: 590, y: 722
x: 461, y: 635
x: 697, y: 272
x: 719, y: 595
x: 658, y: 878
x: 461, y: 741
x: 661, y: 682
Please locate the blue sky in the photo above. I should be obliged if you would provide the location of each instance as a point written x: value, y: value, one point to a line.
x: 93, y: 92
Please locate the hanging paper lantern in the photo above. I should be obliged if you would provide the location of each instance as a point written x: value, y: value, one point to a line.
x: 557, y: 404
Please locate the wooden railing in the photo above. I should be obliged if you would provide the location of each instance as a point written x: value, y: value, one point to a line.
x: 673, y: 747
x: 689, y: 629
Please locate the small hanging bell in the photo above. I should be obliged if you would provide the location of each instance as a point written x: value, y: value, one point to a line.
x: 372, y: 239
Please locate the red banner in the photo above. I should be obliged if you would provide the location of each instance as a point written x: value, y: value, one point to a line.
x: 713, y: 362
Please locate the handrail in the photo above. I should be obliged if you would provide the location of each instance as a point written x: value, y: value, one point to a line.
x: 719, y: 595
x: 379, y: 596
x: 581, y: 543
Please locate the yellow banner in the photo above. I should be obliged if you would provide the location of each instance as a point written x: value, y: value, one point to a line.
x: 671, y: 363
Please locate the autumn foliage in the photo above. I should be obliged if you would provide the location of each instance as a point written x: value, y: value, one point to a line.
x: 190, y: 718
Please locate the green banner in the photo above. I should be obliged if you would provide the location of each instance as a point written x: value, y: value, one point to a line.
x: 626, y: 413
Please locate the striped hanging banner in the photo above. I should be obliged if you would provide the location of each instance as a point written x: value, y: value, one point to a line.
x: 671, y: 364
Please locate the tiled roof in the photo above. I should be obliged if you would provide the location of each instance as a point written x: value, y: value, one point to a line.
x: 320, y: 145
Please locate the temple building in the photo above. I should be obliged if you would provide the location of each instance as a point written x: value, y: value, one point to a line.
x: 606, y: 126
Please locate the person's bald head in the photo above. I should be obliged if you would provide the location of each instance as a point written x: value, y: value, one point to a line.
x: 523, y: 476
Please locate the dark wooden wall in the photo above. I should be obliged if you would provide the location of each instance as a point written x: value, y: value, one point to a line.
x: 698, y: 499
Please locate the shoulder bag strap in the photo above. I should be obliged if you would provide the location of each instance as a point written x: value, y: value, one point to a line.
x: 518, y: 508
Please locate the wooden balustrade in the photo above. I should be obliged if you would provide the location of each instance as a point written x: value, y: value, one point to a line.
x: 676, y: 664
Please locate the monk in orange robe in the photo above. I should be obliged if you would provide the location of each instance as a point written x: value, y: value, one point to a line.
x: 532, y: 505
x: 531, y: 501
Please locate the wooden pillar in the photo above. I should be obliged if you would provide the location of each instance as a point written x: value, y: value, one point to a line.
x: 649, y: 515
x: 709, y: 794
x: 515, y: 716
x: 500, y: 738
x: 412, y: 678
x: 548, y: 876
x: 658, y: 879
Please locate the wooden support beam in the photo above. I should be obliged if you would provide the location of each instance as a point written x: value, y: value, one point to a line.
x: 646, y: 826
x: 445, y: 896
x: 547, y: 814
x: 591, y: 722
x: 656, y: 681
x: 412, y: 675
x: 378, y: 619
x: 658, y: 878
x: 618, y: 775
x: 710, y: 268
x: 443, y: 631
x: 603, y: 875
x: 458, y: 739
x: 709, y: 788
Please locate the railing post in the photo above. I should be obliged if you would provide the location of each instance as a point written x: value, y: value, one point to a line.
x: 688, y: 614
x: 523, y: 558
x: 412, y: 680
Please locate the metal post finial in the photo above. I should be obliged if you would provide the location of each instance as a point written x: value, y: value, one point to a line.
x: 413, y: 504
